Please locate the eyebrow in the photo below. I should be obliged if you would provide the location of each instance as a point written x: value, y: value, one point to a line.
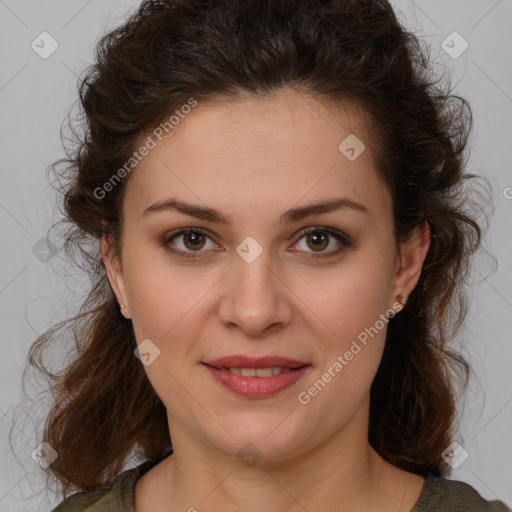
x: 292, y: 215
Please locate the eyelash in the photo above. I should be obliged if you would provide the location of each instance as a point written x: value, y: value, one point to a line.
x: 344, y: 239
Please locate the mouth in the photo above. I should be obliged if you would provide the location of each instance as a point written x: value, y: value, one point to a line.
x: 257, y: 379
x: 249, y: 362
x: 265, y: 372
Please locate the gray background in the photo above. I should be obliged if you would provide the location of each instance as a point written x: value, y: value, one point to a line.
x: 35, y: 95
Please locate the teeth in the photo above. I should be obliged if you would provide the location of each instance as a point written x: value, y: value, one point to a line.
x: 258, y: 372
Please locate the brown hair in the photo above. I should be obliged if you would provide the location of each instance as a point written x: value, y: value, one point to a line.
x: 168, y: 51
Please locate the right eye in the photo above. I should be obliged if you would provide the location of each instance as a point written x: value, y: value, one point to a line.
x: 193, y: 240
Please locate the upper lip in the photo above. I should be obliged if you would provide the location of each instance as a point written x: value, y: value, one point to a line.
x: 242, y: 361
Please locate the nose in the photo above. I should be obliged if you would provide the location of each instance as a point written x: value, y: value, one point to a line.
x: 255, y: 297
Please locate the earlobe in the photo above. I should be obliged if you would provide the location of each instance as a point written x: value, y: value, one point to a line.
x: 412, y: 255
x: 114, y: 272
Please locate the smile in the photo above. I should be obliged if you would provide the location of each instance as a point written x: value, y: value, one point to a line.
x: 257, y: 382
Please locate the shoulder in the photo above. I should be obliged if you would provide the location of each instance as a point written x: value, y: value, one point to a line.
x: 81, y: 501
x: 118, y: 495
x: 441, y: 494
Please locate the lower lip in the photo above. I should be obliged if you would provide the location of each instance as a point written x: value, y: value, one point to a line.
x: 257, y: 387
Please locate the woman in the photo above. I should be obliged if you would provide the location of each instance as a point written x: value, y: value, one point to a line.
x: 273, y: 191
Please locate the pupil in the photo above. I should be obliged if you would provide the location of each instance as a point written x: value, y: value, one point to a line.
x: 316, y: 238
x: 194, y: 237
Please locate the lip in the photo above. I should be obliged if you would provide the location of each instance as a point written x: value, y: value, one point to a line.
x: 256, y: 387
x: 242, y: 361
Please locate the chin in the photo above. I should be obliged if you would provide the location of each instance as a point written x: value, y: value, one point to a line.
x: 255, y: 436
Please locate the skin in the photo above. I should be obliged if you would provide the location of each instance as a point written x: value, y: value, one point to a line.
x: 252, y: 159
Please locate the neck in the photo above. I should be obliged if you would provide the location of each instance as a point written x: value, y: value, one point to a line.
x: 344, y: 474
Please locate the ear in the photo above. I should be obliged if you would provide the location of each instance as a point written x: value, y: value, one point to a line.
x: 114, y: 271
x: 410, y: 260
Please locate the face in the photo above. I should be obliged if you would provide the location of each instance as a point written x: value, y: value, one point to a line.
x: 314, y: 287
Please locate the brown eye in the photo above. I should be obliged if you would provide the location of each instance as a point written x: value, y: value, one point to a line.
x: 318, y: 240
x: 188, y: 243
x: 194, y: 240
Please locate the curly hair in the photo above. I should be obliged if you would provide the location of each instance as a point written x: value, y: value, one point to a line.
x: 354, y: 51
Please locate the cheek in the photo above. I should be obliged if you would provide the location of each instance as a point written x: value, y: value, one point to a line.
x: 346, y: 300
x: 341, y: 383
x: 349, y: 309
x: 163, y: 296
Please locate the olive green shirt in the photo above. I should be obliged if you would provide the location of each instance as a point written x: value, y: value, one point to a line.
x: 437, y: 495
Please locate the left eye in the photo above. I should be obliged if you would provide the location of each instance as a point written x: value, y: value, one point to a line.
x: 194, y: 239
x: 320, y: 239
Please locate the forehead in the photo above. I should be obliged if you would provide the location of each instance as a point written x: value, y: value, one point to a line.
x: 260, y: 149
